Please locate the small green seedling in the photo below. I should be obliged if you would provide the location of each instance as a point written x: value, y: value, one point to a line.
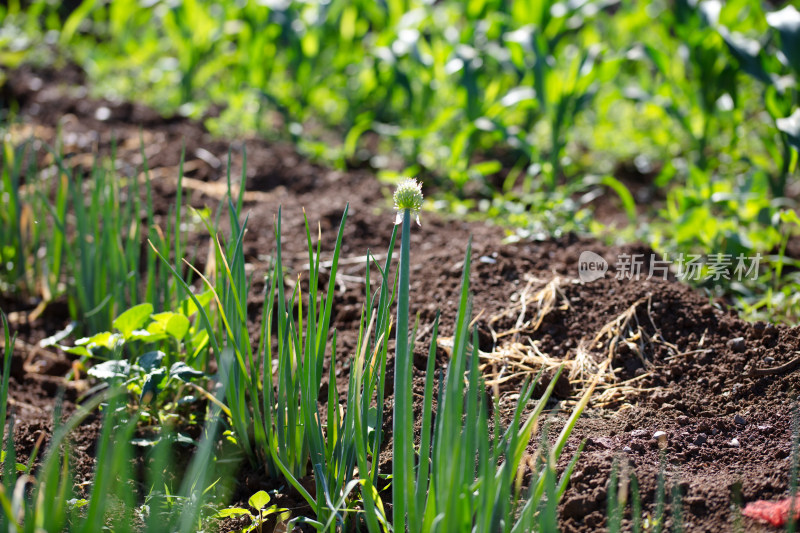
x: 172, y: 344
x: 172, y: 330
x: 258, y: 501
x: 148, y: 377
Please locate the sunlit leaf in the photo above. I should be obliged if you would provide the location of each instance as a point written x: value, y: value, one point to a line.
x: 110, y: 370
x: 106, y: 339
x: 184, y: 372
x: 133, y: 319
x: 791, y: 127
x: 259, y: 500
x: 231, y: 512
x: 787, y: 22
x: 747, y: 52
x: 178, y: 326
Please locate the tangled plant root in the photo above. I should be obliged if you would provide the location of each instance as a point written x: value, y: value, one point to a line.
x: 516, y: 361
x: 590, y: 364
x: 546, y: 299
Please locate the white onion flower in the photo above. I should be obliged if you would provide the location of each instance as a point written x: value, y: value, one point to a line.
x: 408, y: 195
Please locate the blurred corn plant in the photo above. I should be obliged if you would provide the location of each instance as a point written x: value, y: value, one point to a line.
x: 690, y: 77
x: 485, y: 95
x: 440, y: 83
x: 771, y: 57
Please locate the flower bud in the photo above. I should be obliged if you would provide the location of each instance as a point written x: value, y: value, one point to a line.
x: 408, y: 195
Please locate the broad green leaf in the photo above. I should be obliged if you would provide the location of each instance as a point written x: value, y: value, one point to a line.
x: 159, y: 323
x: 790, y: 216
x: 203, y: 298
x: 133, y: 319
x: 76, y: 503
x: 151, y: 360
x: 153, y: 385
x: 231, y: 511
x: 106, y: 339
x: 184, y: 372
x: 77, y: 350
x: 146, y: 336
x: 178, y: 326
x: 110, y: 370
x: 259, y: 500
x: 284, y: 512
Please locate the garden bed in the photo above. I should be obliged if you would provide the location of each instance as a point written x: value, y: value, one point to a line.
x: 680, y: 364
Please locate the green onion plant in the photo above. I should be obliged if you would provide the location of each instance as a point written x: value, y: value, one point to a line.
x: 462, y: 477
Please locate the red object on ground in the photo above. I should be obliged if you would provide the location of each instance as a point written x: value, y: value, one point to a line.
x: 776, y: 513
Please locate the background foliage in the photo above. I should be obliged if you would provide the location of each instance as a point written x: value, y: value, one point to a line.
x: 524, y: 111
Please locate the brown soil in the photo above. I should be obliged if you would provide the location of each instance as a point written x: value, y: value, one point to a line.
x: 728, y: 433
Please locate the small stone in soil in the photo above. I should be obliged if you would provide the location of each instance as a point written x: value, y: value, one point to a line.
x: 639, y: 433
x: 737, y: 344
x: 734, y: 442
x: 661, y: 438
x: 739, y: 420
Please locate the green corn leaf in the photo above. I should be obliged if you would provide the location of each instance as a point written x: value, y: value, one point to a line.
x: 787, y: 22
x: 791, y: 127
x: 748, y: 53
x: 625, y: 196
